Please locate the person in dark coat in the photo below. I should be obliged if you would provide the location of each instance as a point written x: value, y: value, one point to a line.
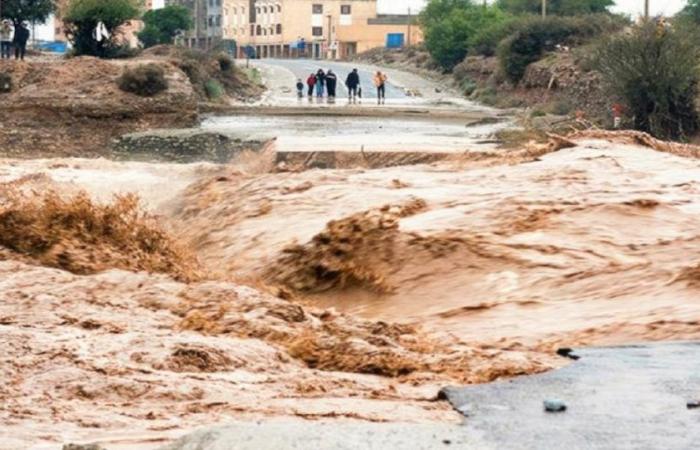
x: 352, y: 82
x: 331, y: 84
x: 320, y: 83
x: 20, y: 41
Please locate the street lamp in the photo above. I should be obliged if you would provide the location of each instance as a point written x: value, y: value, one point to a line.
x: 646, y: 9
x: 544, y: 9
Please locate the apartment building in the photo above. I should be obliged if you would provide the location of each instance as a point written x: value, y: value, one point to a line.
x: 330, y: 29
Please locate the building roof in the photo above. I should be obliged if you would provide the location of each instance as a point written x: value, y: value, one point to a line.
x: 391, y: 19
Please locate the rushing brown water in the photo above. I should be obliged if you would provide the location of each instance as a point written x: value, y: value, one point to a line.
x: 596, y: 237
x: 500, y: 260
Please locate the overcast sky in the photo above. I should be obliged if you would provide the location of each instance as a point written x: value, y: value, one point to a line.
x: 632, y: 7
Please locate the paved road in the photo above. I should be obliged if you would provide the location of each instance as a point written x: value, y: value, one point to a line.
x: 631, y: 397
x: 302, y: 68
x: 403, y: 88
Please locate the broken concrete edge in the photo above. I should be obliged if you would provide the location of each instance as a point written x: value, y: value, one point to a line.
x: 354, y: 111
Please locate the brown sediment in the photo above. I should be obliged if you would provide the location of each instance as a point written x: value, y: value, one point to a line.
x: 640, y: 138
x: 83, y: 237
x: 500, y: 259
x: 354, y: 251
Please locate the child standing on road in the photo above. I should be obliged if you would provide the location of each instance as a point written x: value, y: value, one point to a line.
x: 300, y: 89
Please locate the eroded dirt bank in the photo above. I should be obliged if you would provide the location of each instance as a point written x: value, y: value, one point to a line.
x: 393, y: 281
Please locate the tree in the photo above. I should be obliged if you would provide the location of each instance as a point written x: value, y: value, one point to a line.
x: 83, y: 17
x: 654, y: 72
x: 449, y: 25
x: 33, y: 11
x: 163, y: 25
x: 691, y: 11
x: 556, y: 7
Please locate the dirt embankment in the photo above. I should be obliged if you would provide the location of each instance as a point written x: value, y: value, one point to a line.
x: 73, y: 107
x: 558, y: 84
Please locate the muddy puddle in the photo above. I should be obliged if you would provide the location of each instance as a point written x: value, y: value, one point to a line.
x: 348, y: 294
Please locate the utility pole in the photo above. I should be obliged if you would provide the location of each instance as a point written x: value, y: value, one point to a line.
x: 544, y: 8
x: 408, y: 38
x: 646, y: 9
x: 330, y: 37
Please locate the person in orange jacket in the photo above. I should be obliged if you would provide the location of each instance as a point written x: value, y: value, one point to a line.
x: 380, y: 83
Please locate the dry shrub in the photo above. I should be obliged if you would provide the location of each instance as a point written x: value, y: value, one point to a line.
x: 355, y: 251
x: 145, y: 80
x: 83, y: 237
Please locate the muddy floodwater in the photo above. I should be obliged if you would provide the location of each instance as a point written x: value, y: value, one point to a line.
x: 498, y: 259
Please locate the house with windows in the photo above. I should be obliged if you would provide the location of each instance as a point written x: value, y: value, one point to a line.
x: 332, y: 29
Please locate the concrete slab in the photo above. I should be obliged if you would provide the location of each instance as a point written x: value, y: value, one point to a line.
x: 631, y: 397
x: 328, y: 436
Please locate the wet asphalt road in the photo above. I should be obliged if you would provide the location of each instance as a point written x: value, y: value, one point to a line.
x: 302, y: 68
x: 631, y: 397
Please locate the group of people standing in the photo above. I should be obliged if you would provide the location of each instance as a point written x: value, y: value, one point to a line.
x: 322, y: 83
x: 13, y: 38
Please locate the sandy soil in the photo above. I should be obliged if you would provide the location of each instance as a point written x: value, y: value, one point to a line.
x: 499, y: 259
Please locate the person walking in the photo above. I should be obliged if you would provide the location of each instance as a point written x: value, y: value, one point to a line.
x: 5, y: 39
x: 20, y: 41
x: 331, y: 84
x: 311, y: 82
x: 320, y: 83
x: 352, y: 82
x: 380, y: 83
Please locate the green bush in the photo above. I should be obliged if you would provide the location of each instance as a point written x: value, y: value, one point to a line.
x: 145, y: 80
x: 655, y: 74
x: 450, y: 24
x: 485, y: 41
x: 161, y: 26
x: 214, y: 89
x: 83, y: 16
x: 556, y: 7
x: 532, y: 36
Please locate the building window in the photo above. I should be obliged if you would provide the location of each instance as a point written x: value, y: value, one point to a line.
x: 252, y: 30
x: 346, y: 10
x: 235, y: 11
x: 259, y: 30
x: 211, y: 21
x: 317, y: 9
x: 218, y: 21
x: 211, y: 2
x: 317, y: 31
x: 243, y: 10
x: 265, y: 9
x: 279, y: 28
x: 218, y: 2
x: 279, y: 8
